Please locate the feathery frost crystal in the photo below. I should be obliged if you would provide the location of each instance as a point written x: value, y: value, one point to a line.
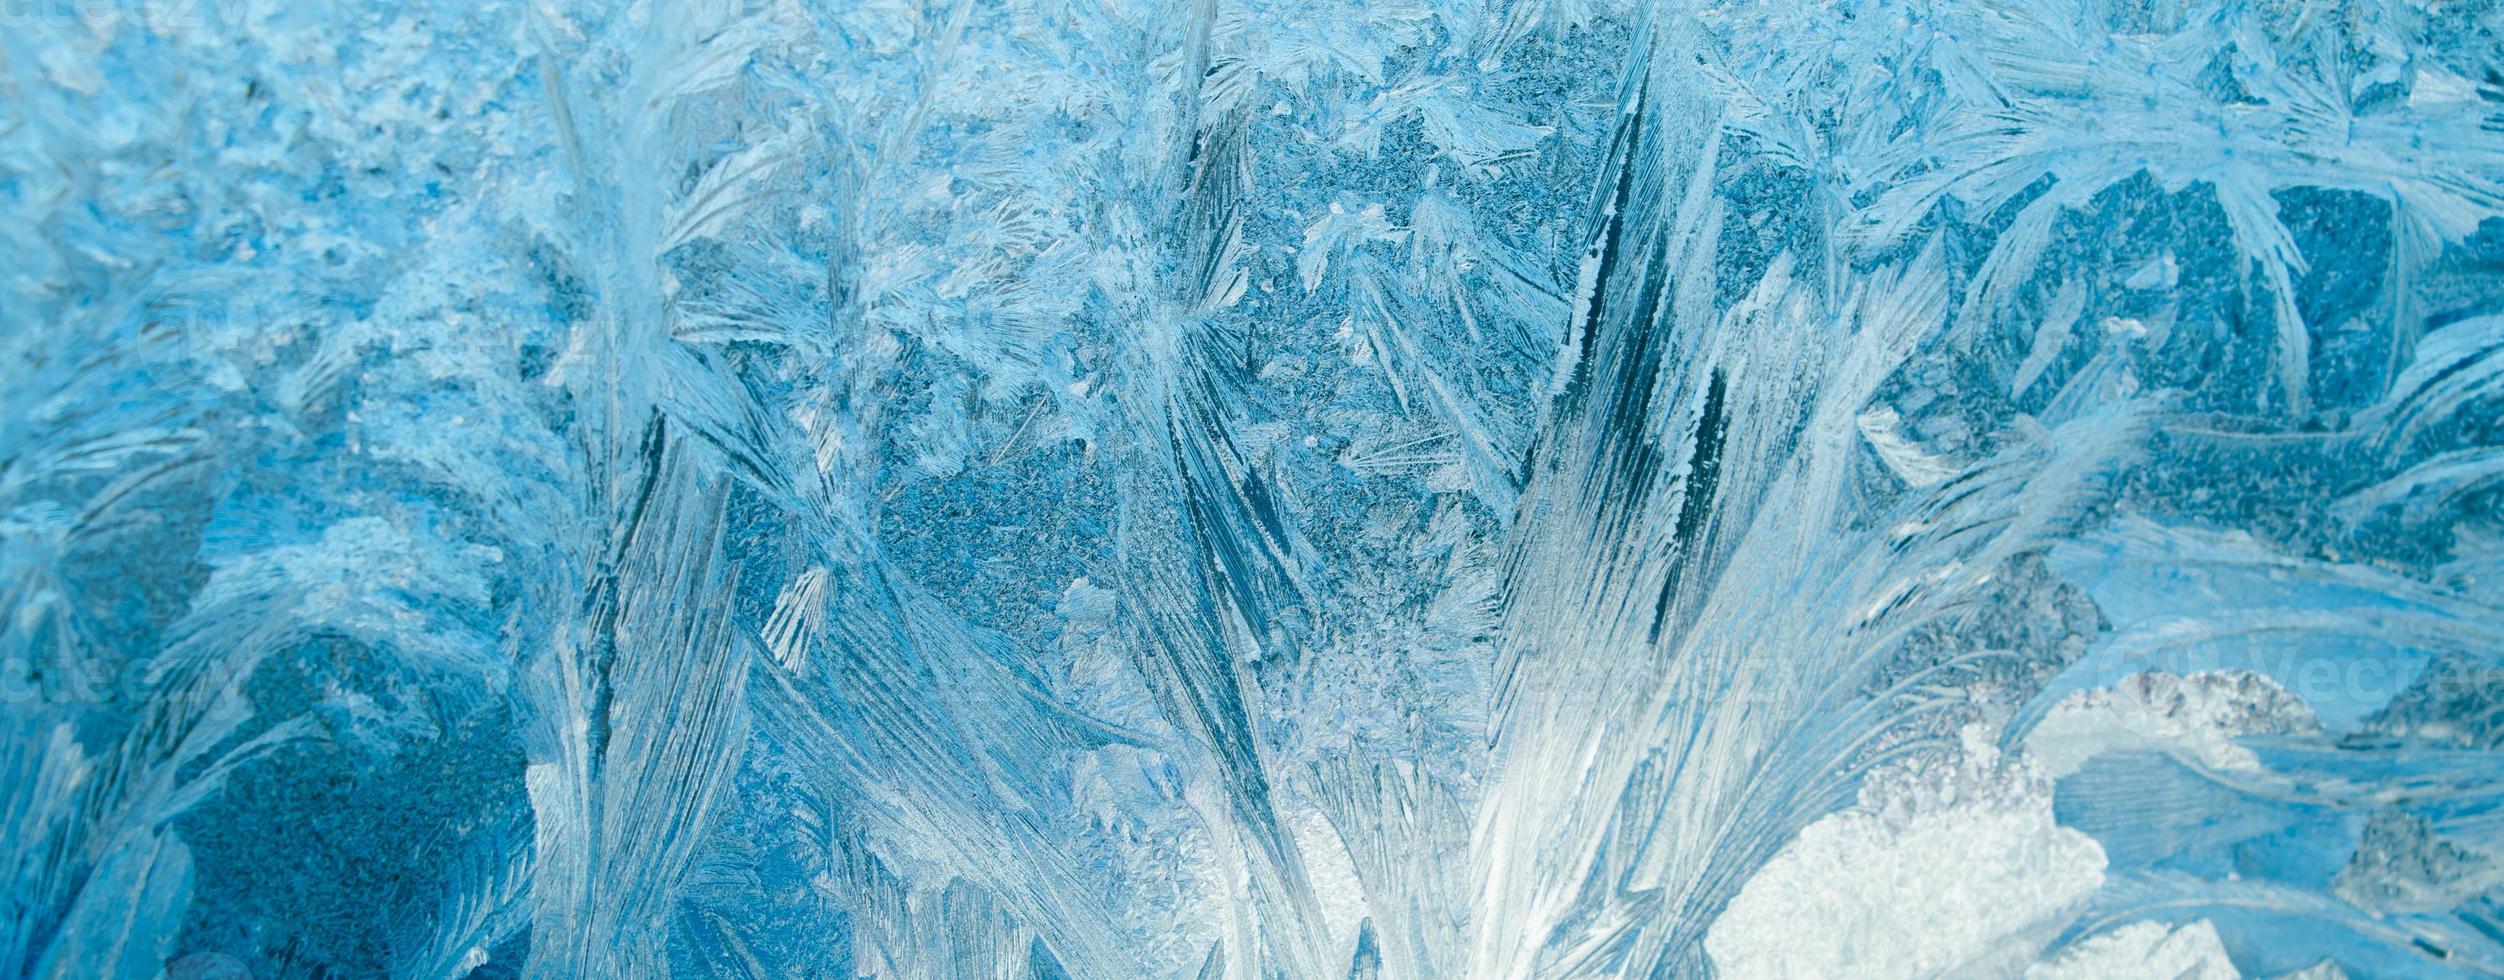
x: 1409, y: 489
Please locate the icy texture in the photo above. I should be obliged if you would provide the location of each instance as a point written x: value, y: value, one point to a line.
x: 1252, y: 488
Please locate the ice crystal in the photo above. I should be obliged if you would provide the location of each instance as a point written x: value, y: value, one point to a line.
x: 1252, y: 488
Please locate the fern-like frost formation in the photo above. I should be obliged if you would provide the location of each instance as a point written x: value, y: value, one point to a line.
x: 1240, y: 489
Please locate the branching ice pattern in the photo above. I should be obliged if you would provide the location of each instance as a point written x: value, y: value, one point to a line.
x: 1252, y: 488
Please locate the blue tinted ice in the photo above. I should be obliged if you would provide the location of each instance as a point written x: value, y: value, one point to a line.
x: 1251, y: 488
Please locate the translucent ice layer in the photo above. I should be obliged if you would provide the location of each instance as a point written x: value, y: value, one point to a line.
x: 1240, y: 489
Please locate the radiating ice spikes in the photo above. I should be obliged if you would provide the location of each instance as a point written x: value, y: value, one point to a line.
x: 1261, y: 488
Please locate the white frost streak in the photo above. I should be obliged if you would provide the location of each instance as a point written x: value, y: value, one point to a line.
x: 2144, y: 951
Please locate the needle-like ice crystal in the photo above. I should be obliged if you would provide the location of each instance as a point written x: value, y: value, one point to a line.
x: 1242, y: 489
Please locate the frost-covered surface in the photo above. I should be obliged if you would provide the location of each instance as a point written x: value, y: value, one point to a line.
x: 1939, y: 869
x: 1233, y: 488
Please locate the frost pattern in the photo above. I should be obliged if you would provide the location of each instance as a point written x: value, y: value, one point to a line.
x: 1076, y: 488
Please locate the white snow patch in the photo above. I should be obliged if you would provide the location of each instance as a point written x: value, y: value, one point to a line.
x: 1939, y: 867
x: 2195, y: 717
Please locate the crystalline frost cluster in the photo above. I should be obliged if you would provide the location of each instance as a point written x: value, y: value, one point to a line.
x: 1241, y: 489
